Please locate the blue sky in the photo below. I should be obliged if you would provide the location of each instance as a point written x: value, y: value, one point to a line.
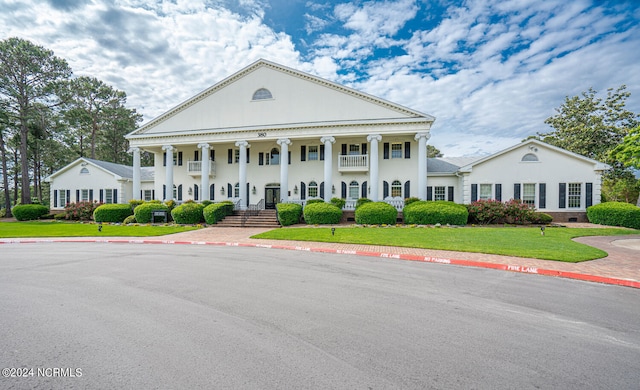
x: 490, y: 72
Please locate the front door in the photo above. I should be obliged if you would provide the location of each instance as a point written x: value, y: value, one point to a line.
x: 271, y: 197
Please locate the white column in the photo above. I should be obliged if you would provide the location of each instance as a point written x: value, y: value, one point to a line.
x: 328, y: 166
x: 204, y: 170
x: 242, y: 173
x: 136, y: 173
x: 168, y: 179
x: 284, y: 168
x: 422, y: 139
x: 374, y: 180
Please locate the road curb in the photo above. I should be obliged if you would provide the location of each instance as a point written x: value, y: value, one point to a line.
x: 406, y: 257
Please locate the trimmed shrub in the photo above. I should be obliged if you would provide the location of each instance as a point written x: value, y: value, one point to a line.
x: 188, y: 213
x: 613, y: 214
x: 81, y: 211
x: 376, y: 213
x: 408, y: 201
x: 217, y: 211
x: 206, y: 202
x: 135, y: 203
x: 314, y: 200
x: 289, y: 213
x: 29, y: 212
x: 484, y: 212
x: 322, y: 214
x: 143, y: 211
x: 362, y: 201
x: 434, y: 212
x: 541, y: 218
x: 112, y: 212
x: 129, y: 219
x: 338, y: 202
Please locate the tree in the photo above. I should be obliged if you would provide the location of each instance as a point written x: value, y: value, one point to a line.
x: 432, y: 151
x: 4, y: 125
x: 28, y: 74
x: 628, y: 152
x: 593, y: 127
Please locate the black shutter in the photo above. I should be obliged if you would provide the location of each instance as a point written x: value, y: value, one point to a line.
x: 55, y: 198
x: 364, y: 149
x: 498, y: 196
x: 212, y: 155
x: 303, y: 191
x: 115, y: 196
x: 385, y: 189
x: 248, y: 194
x: 303, y: 153
x: 407, y: 189
x: 164, y: 191
x: 542, y: 196
x: 321, y: 152
x: 289, y: 154
x: 516, y: 191
x: 429, y: 193
x: 230, y: 156
x: 344, y: 150
x: 322, y: 190
x: 589, y: 194
x: 248, y: 154
x: 363, y: 191
x: 212, y: 192
x: 68, y: 198
x: 562, y: 199
x: 195, y: 192
x: 260, y: 158
x: 385, y: 150
x: 180, y: 158
x: 450, y: 194
x: 344, y: 190
x: 407, y: 150
x: 153, y: 194
x: 101, y: 195
x: 164, y: 159
x: 77, y: 195
x: 196, y: 155
x: 91, y: 195
x: 180, y: 192
x: 229, y: 190
x: 141, y: 195
x: 474, y: 192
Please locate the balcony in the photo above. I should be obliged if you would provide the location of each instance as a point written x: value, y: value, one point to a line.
x: 194, y: 168
x: 353, y: 163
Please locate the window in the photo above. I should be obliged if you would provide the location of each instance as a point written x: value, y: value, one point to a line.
x: 62, y: 197
x: 84, y: 171
x: 236, y: 190
x: 574, y: 194
x: 312, y: 190
x: 530, y: 157
x: 84, y: 195
x: 108, y: 195
x: 396, y: 189
x: 529, y: 193
x: 485, y: 191
x: 274, y: 158
x: 148, y: 195
x: 354, y: 190
x: 262, y: 94
x: 237, y: 156
x: 313, y: 152
x: 396, y: 150
x: 439, y: 193
x: 354, y: 149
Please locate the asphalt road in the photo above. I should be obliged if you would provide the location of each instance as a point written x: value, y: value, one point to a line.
x: 136, y: 316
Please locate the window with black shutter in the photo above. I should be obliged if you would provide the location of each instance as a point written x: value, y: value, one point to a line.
x: 516, y: 191
x: 474, y: 192
x: 498, y: 190
x: 429, y: 193
x: 450, y: 194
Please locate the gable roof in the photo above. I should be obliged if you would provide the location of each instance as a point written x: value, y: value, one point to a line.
x: 119, y: 171
x: 276, y: 69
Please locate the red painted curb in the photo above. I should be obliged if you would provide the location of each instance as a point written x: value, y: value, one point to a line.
x: 407, y: 257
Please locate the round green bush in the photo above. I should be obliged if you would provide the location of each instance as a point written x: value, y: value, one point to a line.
x: 129, y: 219
x: 434, y: 212
x: 289, y: 213
x: 216, y: 212
x: 613, y: 214
x: 362, y: 201
x: 143, y: 211
x: 376, y: 213
x: 112, y: 213
x: 188, y: 213
x: 29, y: 212
x: 322, y: 214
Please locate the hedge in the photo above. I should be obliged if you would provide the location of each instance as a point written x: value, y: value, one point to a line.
x: 143, y: 212
x: 376, y: 213
x: 314, y: 200
x: 338, y: 202
x: 188, y: 213
x: 322, y: 214
x: 289, y: 213
x: 216, y: 212
x: 362, y: 201
x: 29, y: 212
x: 434, y: 212
x: 614, y: 214
x: 112, y: 212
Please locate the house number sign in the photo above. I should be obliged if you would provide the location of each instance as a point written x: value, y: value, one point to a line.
x: 261, y: 135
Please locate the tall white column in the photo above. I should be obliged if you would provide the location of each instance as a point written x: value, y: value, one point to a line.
x: 422, y: 139
x: 374, y: 181
x: 136, y: 173
x: 168, y: 179
x: 284, y: 168
x: 242, y: 173
x: 204, y: 170
x: 328, y: 166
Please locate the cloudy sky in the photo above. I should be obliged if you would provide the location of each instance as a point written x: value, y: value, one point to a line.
x: 490, y: 71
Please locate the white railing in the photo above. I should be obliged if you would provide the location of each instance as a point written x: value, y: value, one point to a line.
x: 350, y: 204
x: 353, y: 162
x: 396, y: 202
x: 195, y: 167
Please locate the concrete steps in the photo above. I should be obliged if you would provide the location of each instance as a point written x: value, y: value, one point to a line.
x: 263, y: 219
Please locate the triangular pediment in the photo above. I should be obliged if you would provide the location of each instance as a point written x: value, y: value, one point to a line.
x: 265, y: 95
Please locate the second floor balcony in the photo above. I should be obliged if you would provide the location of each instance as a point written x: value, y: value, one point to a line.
x: 353, y: 163
x: 194, y: 168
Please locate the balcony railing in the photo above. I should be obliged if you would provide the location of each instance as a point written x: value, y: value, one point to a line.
x: 194, y: 168
x: 353, y: 163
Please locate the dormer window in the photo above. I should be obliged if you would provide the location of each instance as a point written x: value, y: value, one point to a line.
x: 262, y: 94
x: 530, y: 157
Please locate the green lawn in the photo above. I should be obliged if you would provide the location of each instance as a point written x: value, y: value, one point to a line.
x: 74, y: 229
x: 556, y: 244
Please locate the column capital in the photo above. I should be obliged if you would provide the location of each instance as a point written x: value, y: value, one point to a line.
x: 242, y: 143
x: 204, y: 145
x: 372, y: 137
x: 283, y: 141
x: 424, y: 134
x: 168, y: 148
x: 133, y: 149
x: 326, y: 139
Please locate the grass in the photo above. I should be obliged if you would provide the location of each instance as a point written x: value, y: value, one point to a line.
x: 75, y: 229
x: 556, y: 244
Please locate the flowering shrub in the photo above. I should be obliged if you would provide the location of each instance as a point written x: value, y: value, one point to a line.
x: 81, y: 211
x: 517, y: 212
x: 485, y: 212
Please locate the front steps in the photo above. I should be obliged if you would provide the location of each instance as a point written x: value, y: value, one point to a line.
x: 247, y: 218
